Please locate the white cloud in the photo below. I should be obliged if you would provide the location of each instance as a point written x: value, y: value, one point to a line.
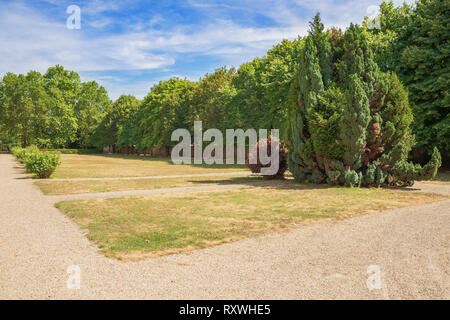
x: 33, y: 41
x: 100, y: 6
x: 99, y: 23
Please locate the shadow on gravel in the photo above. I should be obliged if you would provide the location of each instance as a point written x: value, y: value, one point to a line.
x: 24, y: 178
x: 20, y: 170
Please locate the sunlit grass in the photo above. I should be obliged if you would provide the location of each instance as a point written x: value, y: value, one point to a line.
x: 101, y: 166
x: 73, y: 187
x: 138, y: 227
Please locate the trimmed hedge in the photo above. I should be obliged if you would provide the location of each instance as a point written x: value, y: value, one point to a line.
x: 40, y: 163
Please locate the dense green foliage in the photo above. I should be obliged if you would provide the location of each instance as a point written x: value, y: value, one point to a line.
x: 164, y: 109
x: 213, y: 101
x: 262, y: 87
x: 414, y: 42
x: 349, y: 123
x: 116, y: 116
x: 52, y: 110
x: 73, y: 151
x: 41, y: 164
x: 337, y: 98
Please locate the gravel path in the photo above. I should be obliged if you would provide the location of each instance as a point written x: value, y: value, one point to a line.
x: 423, y: 187
x: 218, y: 174
x: 324, y: 261
x: 118, y: 194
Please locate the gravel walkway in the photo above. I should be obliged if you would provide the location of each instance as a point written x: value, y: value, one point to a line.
x: 137, y: 193
x: 324, y: 261
x: 243, y: 173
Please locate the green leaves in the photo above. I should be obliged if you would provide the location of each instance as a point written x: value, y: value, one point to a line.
x: 213, y: 101
x: 354, y: 122
x: 263, y: 86
x: 414, y: 42
x: 41, y: 164
x: 52, y: 110
x: 91, y: 105
x: 111, y: 130
x: 166, y: 108
x: 354, y: 128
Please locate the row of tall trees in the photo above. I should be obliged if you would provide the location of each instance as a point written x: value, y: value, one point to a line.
x: 254, y: 96
x: 58, y: 110
x: 52, y: 110
x: 413, y: 41
x: 409, y: 45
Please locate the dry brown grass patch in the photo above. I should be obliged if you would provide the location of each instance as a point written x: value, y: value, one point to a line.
x: 140, y: 227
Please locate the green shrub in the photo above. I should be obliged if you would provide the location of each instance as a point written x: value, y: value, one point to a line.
x: 22, y: 154
x: 15, y: 151
x: 256, y: 167
x: 42, y: 164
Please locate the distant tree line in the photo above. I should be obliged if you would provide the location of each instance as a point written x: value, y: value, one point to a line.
x: 413, y: 41
x: 51, y: 110
x: 410, y: 42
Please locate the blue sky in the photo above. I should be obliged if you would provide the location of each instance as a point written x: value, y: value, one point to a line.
x: 129, y: 45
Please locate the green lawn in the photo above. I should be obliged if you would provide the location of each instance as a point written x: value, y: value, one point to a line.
x: 134, y: 228
x: 110, y: 166
x: 72, y: 187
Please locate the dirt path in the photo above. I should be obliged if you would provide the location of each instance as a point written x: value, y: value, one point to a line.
x: 325, y: 261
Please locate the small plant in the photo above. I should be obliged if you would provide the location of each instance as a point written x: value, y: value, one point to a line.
x: 256, y: 168
x: 42, y: 164
x: 22, y: 154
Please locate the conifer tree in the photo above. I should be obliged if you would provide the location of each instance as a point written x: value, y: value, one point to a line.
x: 353, y: 129
x: 308, y: 84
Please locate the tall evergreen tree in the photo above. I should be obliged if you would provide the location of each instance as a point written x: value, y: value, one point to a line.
x: 307, y: 87
x: 320, y: 39
x: 354, y: 130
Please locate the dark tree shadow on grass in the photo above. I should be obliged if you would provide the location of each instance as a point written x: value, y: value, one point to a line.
x: 286, y: 184
x: 259, y: 181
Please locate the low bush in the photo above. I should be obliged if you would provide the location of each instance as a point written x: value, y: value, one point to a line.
x: 22, y: 154
x: 256, y: 167
x: 41, y: 164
